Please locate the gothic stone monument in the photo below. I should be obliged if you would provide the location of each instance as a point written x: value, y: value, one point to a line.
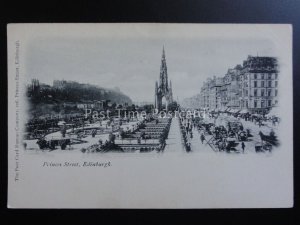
x: 162, y: 88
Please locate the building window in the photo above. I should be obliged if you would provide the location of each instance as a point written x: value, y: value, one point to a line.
x: 269, y: 92
x: 269, y: 83
x: 246, y: 102
x: 262, y: 92
x: 269, y: 103
x: 262, y: 104
x: 276, y: 83
x: 262, y: 84
x: 255, y: 104
x: 255, y: 83
x: 269, y: 76
x: 255, y: 76
x: 246, y: 92
x: 262, y: 76
x: 276, y: 75
x: 276, y: 92
x: 255, y: 92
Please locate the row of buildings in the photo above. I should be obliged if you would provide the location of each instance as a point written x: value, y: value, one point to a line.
x: 251, y: 87
x: 97, y: 105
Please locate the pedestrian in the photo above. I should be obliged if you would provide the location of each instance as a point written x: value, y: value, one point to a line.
x: 243, y: 146
x: 202, y: 137
x: 188, y: 147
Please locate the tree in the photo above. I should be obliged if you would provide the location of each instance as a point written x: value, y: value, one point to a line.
x: 173, y: 106
x: 148, y: 108
x: 133, y: 108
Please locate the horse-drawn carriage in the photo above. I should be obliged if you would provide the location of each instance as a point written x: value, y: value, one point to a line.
x: 267, y: 142
x: 227, y: 144
x: 236, y: 129
x: 235, y: 126
x: 242, y: 136
x: 263, y: 147
x: 220, y: 132
x: 208, y: 128
x: 231, y: 144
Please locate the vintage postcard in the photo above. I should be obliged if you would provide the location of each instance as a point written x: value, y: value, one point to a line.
x: 150, y: 116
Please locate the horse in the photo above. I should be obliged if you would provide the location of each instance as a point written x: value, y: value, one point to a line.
x: 272, y: 139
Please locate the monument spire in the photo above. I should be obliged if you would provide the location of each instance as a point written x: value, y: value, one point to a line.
x: 163, y: 89
x: 164, y: 72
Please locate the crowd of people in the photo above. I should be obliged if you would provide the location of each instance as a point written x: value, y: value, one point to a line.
x: 228, y: 137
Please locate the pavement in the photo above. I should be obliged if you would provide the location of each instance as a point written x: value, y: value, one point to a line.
x: 173, y: 142
x: 196, y: 145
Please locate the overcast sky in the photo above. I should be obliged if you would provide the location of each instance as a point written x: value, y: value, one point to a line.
x: 133, y: 64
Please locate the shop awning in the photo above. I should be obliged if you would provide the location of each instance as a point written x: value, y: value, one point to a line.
x: 274, y: 112
x: 237, y: 110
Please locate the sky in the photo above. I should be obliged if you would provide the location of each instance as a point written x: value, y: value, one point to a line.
x: 133, y: 63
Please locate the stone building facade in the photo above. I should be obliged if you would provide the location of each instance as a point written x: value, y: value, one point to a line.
x: 251, y: 87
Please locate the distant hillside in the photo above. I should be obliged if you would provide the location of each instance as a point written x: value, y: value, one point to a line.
x: 70, y: 91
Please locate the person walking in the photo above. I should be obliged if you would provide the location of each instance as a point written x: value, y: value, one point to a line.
x: 188, y: 147
x: 259, y: 123
x: 202, y: 137
x: 243, y: 146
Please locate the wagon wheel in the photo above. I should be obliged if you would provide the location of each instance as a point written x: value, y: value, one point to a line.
x: 242, y: 136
